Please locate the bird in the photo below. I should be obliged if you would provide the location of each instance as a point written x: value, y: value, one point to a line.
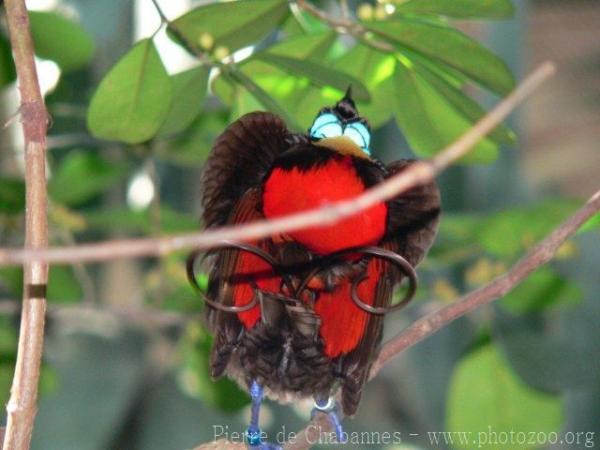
x: 299, y: 314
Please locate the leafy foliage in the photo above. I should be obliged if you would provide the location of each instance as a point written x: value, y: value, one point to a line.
x: 61, y: 40
x: 134, y: 99
x: 424, y: 72
x: 485, y: 395
x: 231, y: 25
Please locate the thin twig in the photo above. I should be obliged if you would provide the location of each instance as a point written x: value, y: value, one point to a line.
x: 433, y: 322
x: 146, y: 316
x: 419, y: 173
x: 22, y: 406
x: 160, y: 12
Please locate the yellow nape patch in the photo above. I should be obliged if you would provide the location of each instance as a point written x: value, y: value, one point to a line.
x: 343, y: 145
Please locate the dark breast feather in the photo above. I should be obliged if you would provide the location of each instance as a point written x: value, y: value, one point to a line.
x: 239, y: 160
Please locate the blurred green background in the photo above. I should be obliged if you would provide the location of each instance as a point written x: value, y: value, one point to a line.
x: 125, y: 363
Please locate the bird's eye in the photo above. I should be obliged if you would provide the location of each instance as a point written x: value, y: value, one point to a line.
x: 360, y: 134
x: 326, y: 125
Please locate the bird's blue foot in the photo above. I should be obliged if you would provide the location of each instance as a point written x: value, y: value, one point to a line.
x: 330, y: 407
x: 253, y: 433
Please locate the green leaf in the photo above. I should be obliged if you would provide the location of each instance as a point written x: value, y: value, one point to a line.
x: 191, y: 148
x: 189, y: 91
x: 12, y: 195
x: 7, y: 66
x: 233, y: 24
x: 61, y: 40
x: 448, y: 46
x: 542, y: 289
x: 83, y: 175
x: 375, y: 70
x: 428, y: 121
x: 318, y: 74
x: 304, y: 46
x: 285, y: 88
x: 63, y: 286
x: 464, y: 9
x: 262, y: 97
x: 485, y: 394
x: 469, y: 108
x: 133, y: 99
x: 509, y: 233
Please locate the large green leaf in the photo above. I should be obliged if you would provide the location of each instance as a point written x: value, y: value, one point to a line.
x: 428, y: 121
x: 83, y: 175
x: 543, y: 288
x: 7, y: 66
x: 12, y: 195
x: 189, y: 92
x: 232, y: 25
x: 450, y: 47
x: 485, y: 395
x: 262, y: 96
x: 509, y: 233
x: 466, y: 9
x: 465, y: 105
x: 133, y: 99
x: 304, y: 46
x: 318, y: 74
x: 373, y: 68
x: 61, y: 40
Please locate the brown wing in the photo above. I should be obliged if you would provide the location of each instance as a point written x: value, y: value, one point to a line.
x: 412, y: 217
x: 228, y: 265
x: 240, y: 158
x: 412, y: 225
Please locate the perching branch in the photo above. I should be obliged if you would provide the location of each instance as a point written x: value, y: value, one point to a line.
x: 419, y: 173
x: 428, y: 325
x: 22, y: 406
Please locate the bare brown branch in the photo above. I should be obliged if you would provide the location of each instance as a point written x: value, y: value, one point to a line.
x: 419, y: 173
x: 22, y: 406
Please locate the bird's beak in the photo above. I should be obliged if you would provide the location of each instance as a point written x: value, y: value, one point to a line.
x: 343, y: 145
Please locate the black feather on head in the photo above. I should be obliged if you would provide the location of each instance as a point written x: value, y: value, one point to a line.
x: 346, y: 108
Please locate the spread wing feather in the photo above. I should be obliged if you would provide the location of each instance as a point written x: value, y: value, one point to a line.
x: 239, y: 159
